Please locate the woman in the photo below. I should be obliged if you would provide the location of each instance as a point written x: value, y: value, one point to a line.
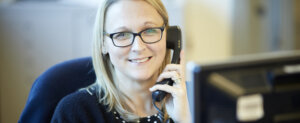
x: 129, y: 57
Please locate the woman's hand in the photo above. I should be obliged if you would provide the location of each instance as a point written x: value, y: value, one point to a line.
x: 177, y: 104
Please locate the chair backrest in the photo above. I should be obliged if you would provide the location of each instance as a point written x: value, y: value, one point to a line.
x: 55, y: 83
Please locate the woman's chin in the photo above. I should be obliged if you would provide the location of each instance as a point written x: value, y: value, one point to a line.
x: 143, y: 78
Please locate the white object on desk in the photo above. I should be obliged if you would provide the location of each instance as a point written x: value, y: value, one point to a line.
x: 250, y: 108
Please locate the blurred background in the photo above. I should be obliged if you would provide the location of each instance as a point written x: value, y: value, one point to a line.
x: 36, y: 34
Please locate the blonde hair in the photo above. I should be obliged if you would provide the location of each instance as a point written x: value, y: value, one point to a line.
x: 107, y: 92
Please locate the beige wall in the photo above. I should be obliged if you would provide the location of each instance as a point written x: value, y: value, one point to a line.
x: 264, y: 26
x: 208, y: 29
x: 296, y: 12
x: 34, y: 37
x: 217, y: 30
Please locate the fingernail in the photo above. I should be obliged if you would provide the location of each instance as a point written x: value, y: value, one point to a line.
x: 151, y: 88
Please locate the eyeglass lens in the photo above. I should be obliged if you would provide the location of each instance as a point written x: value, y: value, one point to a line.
x: 148, y: 36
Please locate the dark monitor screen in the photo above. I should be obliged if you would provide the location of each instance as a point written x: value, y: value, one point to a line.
x: 260, y: 89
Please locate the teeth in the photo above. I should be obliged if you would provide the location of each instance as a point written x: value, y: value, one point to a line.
x: 140, y: 60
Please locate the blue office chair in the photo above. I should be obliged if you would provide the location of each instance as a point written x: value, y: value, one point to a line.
x: 50, y: 87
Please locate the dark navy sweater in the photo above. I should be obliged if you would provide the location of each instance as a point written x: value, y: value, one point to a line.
x: 83, y: 107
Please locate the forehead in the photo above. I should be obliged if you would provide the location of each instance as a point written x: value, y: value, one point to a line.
x: 131, y: 13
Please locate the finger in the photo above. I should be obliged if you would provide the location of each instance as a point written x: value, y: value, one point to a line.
x: 171, y: 74
x: 177, y: 80
x: 166, y: 88
x: 182, y: 64
x: 182, y: 57
x: 173, y: 67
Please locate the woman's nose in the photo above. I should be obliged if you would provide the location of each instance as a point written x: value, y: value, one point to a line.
x: 138, y: 44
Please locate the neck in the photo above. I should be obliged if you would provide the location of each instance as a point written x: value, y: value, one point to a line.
x: 139, y: 97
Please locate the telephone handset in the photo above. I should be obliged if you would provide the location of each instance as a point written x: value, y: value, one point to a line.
x: 174, y: 43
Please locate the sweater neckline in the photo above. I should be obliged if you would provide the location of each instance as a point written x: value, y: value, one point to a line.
x: 149, y: 119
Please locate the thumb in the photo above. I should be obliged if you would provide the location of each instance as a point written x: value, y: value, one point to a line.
x: 182, y: 57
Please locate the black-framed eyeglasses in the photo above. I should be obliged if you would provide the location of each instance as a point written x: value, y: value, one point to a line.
x: 124, y: 39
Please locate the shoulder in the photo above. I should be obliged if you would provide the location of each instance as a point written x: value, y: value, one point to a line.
x: 76, y: 102
x: 81, y: 97
x: 81, y: 106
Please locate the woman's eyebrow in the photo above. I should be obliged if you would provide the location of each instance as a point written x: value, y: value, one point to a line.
x: 147, y: 24
x: 122, y: 28
x: 150, y: 23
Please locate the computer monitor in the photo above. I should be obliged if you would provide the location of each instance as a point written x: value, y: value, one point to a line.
x: 263, y: 88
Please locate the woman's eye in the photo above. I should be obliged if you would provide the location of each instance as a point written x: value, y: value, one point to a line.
x: 122, y: 36
x: 151, y: 31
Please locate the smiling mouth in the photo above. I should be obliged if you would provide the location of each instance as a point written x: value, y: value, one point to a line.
x: 142, y: 60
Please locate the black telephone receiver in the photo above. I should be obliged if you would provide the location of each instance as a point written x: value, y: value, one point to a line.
x: 174, y: 43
